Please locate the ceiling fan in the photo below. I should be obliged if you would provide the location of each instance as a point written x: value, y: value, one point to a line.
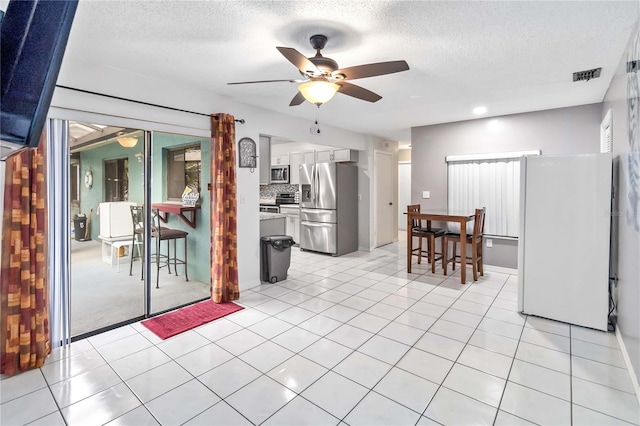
x: 322, y: 78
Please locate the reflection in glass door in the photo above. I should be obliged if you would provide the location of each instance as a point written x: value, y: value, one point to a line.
x: 110, y: 172
x: 106, y: 178
x: 180, y: 265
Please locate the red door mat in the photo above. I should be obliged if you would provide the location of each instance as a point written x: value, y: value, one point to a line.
x: 176, y: 322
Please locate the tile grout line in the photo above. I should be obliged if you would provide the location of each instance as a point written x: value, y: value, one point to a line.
x: 375, y: 302
x: 441, y: 385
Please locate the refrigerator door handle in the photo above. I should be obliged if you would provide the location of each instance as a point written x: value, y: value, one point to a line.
x: 316, y: 190
x: 318, y: 185
x: 318, y: 225
x: 313, y: 184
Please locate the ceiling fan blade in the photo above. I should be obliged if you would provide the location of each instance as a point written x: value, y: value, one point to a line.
x: 358, y: 92
x: 268, y: 81
x: 299, y: 60
x: 297, y: 99
x: 372, y: 70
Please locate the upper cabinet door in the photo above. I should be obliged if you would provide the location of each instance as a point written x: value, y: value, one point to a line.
x: 280, y: 159
x: 345, y: 155
x: 324, y: 156
x: 308, y: 157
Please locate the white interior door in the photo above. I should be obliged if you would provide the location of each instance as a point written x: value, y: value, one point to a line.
x: 383, y: 198
x: 404, y: 193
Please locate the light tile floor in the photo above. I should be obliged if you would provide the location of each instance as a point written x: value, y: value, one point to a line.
x: 353, y: 340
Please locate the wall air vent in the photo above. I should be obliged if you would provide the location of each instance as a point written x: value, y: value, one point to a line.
x: 586, y: 75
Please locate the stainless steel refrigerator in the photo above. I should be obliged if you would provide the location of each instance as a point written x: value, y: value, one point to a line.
x: 329, y: 208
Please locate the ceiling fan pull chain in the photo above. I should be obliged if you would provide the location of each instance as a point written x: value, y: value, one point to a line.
x: 315, y: 129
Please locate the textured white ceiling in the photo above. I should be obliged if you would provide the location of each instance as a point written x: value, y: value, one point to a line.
x: 510, y: 56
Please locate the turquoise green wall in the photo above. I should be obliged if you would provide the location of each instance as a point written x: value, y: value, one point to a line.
x: 199, y: 239
x: 93, y: 160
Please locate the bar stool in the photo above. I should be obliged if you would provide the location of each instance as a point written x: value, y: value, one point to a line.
x: 167, y: 234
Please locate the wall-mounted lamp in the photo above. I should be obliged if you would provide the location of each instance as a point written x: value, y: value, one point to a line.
x: 247, y: 154
x: 127, y: 142
x: 318, y: 92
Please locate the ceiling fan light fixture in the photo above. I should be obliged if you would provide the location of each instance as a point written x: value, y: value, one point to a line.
x: 318, y: 92
x: 127, y: 142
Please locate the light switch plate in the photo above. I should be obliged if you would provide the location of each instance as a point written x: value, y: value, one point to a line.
x: 426, y: 194
x: 489, y: 243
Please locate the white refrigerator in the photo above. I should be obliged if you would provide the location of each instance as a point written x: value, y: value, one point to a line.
x: 563, y: 247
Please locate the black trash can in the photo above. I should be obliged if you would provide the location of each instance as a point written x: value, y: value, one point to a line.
x: 80, y: 226
x: 275, y: 257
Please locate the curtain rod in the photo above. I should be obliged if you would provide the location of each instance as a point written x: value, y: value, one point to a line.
x: 241, y: 120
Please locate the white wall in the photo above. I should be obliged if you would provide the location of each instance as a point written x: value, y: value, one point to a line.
x: 573, y: 130
x: 626, y: 235
x: 68, y: 104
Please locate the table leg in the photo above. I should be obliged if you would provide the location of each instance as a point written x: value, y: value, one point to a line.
x: 409, y: 243
x: 463, y: 251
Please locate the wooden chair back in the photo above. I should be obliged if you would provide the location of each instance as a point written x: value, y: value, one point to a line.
x: 414, y: 208
x: 478, y: 224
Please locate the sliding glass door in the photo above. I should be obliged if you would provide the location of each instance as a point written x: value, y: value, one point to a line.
x: 106, y: 179
x: 127, y: 261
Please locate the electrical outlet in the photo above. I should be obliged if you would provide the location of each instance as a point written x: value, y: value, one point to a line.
x: 426, y: 194
x: 489, y: 243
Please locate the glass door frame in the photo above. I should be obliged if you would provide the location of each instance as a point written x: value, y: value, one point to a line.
x: 59, y: 212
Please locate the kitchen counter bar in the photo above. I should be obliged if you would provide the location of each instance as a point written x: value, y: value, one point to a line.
x: 267, y: 216
x: 179, y: 209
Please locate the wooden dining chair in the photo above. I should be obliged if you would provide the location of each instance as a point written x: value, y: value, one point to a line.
x: 431, y: 234
x: 475, y: 239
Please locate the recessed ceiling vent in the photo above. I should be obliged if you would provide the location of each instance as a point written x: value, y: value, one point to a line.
x: 586, y: 75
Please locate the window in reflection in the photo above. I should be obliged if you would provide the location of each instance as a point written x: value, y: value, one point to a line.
x: 184, y: 168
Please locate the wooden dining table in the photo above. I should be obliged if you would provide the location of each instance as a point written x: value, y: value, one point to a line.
x: 462, y: 219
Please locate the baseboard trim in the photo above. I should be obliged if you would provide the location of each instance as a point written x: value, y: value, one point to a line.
x: 501, y: 269
x: 627, y: 361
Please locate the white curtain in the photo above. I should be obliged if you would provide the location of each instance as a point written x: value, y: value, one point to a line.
x: 494, y: 184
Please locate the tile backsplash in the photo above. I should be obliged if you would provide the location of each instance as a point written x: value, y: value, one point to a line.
x: 270, y: 191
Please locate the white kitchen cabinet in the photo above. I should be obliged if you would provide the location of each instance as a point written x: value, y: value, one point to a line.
x: 295, y: 159
x: 280, y: 160
x: 324, y: 156
x: 337, y: 155
x: 308, y: 157
x: 345, y: 155
x: 292, y: 223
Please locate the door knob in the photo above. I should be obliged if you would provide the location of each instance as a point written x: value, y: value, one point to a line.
x: 390, y: 204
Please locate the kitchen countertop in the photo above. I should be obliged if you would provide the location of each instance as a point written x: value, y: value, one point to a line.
x: 267, y: 216
x: 268, y: 201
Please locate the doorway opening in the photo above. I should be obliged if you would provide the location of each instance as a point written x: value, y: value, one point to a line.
x: 383, y: 198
